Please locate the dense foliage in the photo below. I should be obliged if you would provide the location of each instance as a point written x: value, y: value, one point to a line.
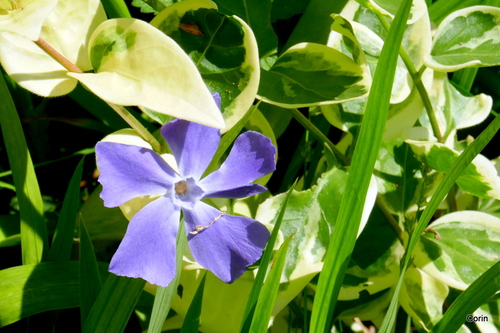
x: 333, y: 166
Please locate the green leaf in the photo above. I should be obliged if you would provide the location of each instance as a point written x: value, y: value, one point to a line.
x: 65, y: 229
x: 118, y: 49
x: 30, y: 289
x: 263, y: 267
x: 422, y: 297
x: 9, y: 230
x: 480, y: 178
x: 165, y: 295
x: 267, y: 297
x: 467, y: 245
x: 390, y: 7
x: 223, y: 48
x: 483, y: 288
x: 27, y: 19
x: 192, y: 320
x: 103, y: 224
x: 453, y: 110
x: 90, y: 280
x: 116, y: 8
x: 466, y: 38
x: 363, y: 162
x: 38, y: 72
x: 442, y: 190
x: 114, y: 305
x: 152, y: 6
x: 309, y: 74
x: 257, y: 14
x: 34, y: 240
x: 310, y: 215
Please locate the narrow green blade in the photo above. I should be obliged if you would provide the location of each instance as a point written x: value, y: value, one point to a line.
x: 264, y: 263
x: 63, y: 236
x: 473, y: 297
x: 451, y: 176
x: 192, y: 320
x: 267, y: 297
x: 165, y: 295
x: 363, y: 161
x: 34, y: 241
x: 90, y: 280
x: 113, y: 306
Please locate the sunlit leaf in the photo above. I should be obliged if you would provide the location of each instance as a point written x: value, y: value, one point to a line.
x: 223, y: 48
x: 467, y: 37
x: 480, y: 178
x: 25, y: 17
x: 461, y: 247
x: 309, y: 74
x: 136, y: 64
x: 35, y: 70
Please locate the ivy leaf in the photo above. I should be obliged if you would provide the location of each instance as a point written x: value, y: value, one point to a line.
x: 136, y: 64
x: 310, y: 74
x: 462, y: 246
x: 223, y: 49
x: 35, y: 70
x: 480, y: 178
x: 466, y: 38
x: 27, y: 19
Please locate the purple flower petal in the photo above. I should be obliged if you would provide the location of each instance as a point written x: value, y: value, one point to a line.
x: 228, y: 245
x: 251, y: 157
x: 128, y: 172
x: 148, y: 249
x: 236, y: 193
x: 192, y: 144
x: 217, y: 99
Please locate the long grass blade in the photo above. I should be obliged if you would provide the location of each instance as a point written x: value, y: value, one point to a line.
x: 192, y: 320
x: 267, y: 297
x: 165, y: 295
x: 264, y: 263
x: 458, y: 167
x: 34, y: 243
x: 63, y: 236
x: 363, y: 161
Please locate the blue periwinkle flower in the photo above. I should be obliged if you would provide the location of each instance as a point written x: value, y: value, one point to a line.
x: 222, y: 243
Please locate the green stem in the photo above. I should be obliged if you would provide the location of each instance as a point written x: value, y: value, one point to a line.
x: 417, y: 80
x: 127, y: 116
x: 314, y: 130
x: 393, y: 223
x: 137, y: 126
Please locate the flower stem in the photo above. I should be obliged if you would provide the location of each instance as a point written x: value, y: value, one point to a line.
x: 57, y: 56
x: 137, y: 126
x: 316, y: 132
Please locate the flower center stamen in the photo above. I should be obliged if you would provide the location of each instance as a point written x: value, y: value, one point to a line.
x: 181, y: 187
x: 199, y: 228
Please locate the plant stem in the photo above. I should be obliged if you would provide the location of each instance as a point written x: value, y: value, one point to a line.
x: 57, y: 56
x: 127, y: 116
x: 417, y: 80
x: 392, y: 222
x: 137, y: 126
x: 314, y: 130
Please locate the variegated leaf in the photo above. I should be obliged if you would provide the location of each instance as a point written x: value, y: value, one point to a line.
x: 480, y: 178
x: 460, y: 247
x: 67, y: 29
x: 422, y: 297
x: 469, y: 37
x: 310, y: 74
x: 453, y: 110
x: 223, y: 48
x: 25, y: 17
x: 136, y: 64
